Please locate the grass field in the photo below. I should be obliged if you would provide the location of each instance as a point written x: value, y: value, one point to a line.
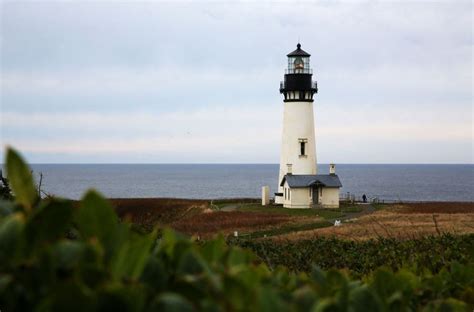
x: 250, y: 219
x: 403, y: 221
x: 323, y: 213
x: 207, y: 224
x: 151, y: 212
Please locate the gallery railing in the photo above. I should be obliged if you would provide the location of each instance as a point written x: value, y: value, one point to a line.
x: 314, y: 85
x: 299, y: 71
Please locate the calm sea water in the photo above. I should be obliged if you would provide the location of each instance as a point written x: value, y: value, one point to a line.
x: 389, y: 182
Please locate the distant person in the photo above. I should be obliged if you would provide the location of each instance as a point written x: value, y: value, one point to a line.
x: 364, y: 198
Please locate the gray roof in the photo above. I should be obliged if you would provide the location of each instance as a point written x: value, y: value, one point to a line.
x: 307, y: 180
x: 299, y: 52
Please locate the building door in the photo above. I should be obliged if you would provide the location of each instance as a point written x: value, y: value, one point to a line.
x: 315, y: 195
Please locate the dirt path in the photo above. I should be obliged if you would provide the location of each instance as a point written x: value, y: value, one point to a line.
x: 230, y: 207
x: 366, y: 209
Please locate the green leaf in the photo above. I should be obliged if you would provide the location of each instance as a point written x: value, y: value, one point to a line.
x: 213, y: 250
x: 116, y: 297
x: 97, y: 220
x: 21, y: 180
x: 132, y: 256
x: 191, y: 263
x: 92, y: 267
x: 305, y: 297
x: 50, y: 221
x: 10, y: 237
x: 171, y: 302
x: 319, y: 276
x: 154, y: 274
x: 363, y: 299
x: 67, y: 254
x: 68, y: 296
x: 326, y: 305
x: 173, y: 244
x: 268, y: 300
x: 238, y: 257
x: 448, y: 305
x: 6, y: 208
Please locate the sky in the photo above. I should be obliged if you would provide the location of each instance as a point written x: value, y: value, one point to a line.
x: 198, y: 82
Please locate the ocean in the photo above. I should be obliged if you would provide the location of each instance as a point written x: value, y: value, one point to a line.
x: 211, y: 181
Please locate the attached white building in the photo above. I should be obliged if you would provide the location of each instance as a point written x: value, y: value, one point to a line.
x: 299, y: 185
x: 311, y: 190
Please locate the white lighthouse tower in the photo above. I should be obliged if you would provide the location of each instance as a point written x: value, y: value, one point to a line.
x: 298, y: 148
x: 298, y: 171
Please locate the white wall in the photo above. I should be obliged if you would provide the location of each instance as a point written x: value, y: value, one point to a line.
x: 298, y: 123
x: 330, y: 197
x: 299, y: 197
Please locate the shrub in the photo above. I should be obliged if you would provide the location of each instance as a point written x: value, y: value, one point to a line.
x: 360, y: 258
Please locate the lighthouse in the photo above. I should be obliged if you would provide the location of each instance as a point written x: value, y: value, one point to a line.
x: 299, y: 185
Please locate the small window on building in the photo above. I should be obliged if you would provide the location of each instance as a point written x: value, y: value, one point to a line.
x: 289, y: 194
x: 310, y: 192
x: 303, y: 146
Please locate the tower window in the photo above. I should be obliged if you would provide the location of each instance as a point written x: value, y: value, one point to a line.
x: 303, y: 146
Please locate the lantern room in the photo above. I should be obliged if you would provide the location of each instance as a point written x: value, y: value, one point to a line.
x: 298, y: 84
x: 298, y: 62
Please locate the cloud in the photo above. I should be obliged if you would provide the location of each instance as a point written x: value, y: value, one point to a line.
x: 224, y: 135
x: 112, y: 81
x: 117, y: 81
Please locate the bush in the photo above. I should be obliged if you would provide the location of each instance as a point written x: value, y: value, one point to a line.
x: 360, y: 258
x: 56, y: 256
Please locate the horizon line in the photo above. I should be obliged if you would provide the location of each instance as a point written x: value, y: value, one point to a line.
x: 225, y: 163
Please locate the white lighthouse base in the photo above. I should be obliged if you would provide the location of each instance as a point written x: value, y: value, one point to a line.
x: 298, y: 127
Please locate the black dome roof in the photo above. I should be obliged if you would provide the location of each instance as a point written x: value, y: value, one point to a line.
x: 298, y: 52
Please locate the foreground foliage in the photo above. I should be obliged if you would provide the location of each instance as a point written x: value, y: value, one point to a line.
x: 56, y: 256
x: 431, y: 253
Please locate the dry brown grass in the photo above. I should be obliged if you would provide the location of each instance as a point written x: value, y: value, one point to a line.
x: 194, y: 217
x: 437, y: 207
x: 399, y: 221
x: 149, y: 212
x: 227, y: 222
